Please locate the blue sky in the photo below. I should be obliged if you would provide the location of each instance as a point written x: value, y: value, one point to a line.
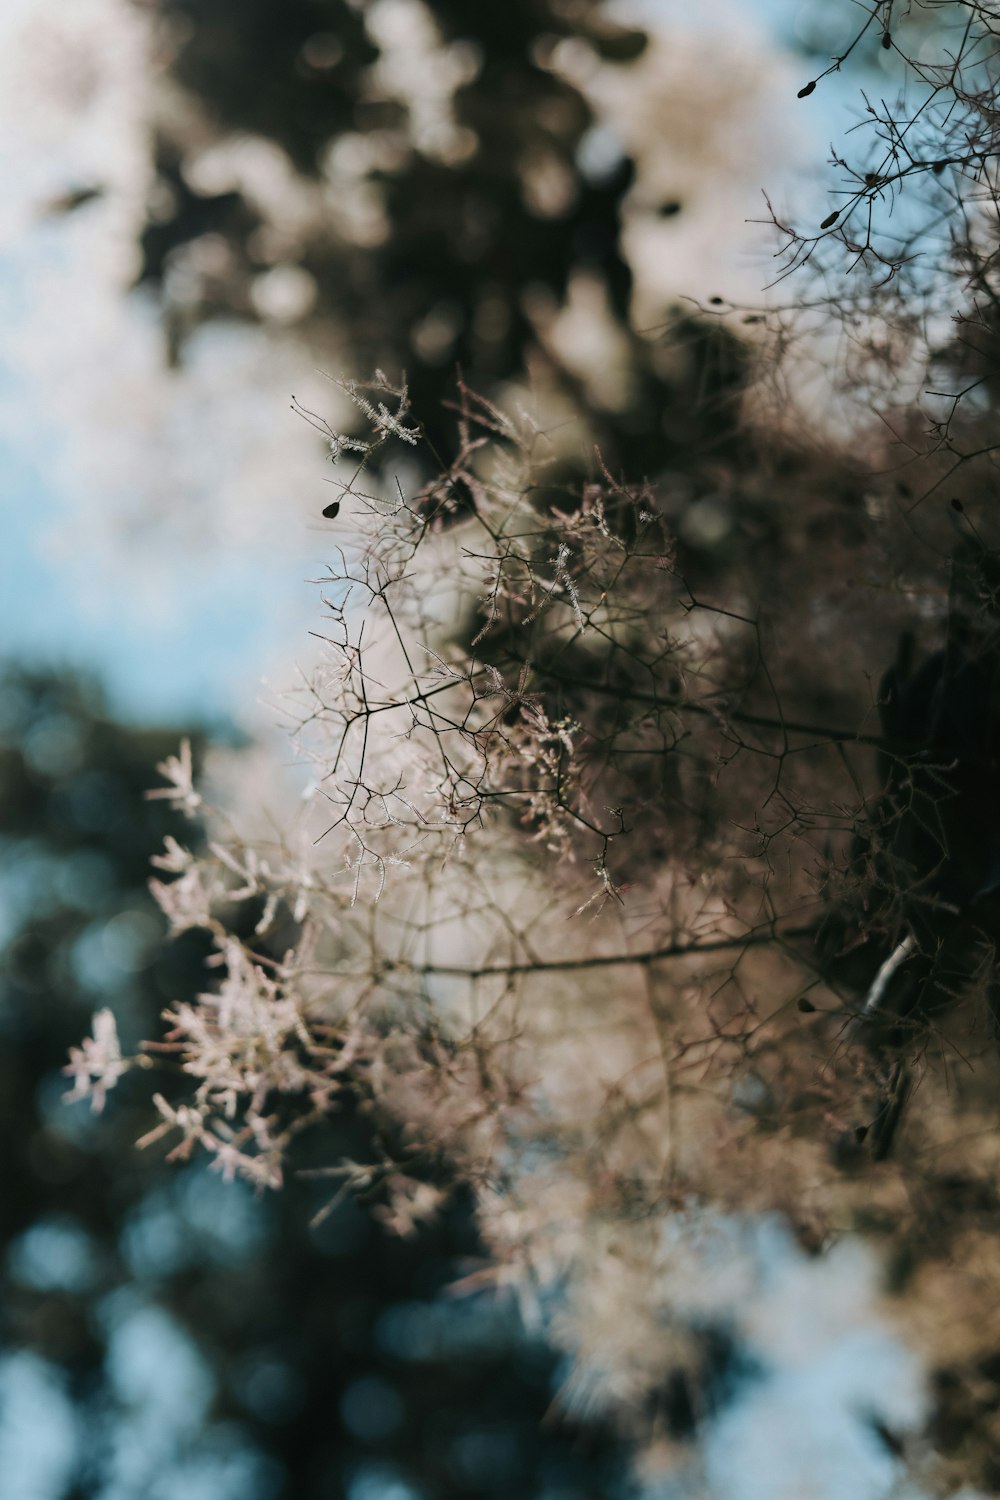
x: 202, y: 661
x: 119, y: 556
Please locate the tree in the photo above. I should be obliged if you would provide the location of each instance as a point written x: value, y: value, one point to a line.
x: 155, y: 1333
x: 538, y: 666
x: 443, y: 206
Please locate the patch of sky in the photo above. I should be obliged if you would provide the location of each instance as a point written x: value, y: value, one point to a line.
x: 53, y: 745
x: 195, y: 666
x: 599, y: 154
x: 35, y: 881
x: 192, y: 1219
x: 824, y: 1378
x: 812, y: 1431
x: 39, y: 1434
x: 158, y: 1442
x: 153, y: 1365
x: 380, y: 1482
x: 224, y: 1465
x: 817, y: 32
x: 107, y: 953
x: 194, y: 656
x: 55, y: 1254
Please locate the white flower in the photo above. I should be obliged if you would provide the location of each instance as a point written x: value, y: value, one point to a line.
x: 185, y: 1118
x: 174, y: 858
x: 244, y: 1041
x: 181, y: 794
x: 184, y: 902
x: 98, y: 1064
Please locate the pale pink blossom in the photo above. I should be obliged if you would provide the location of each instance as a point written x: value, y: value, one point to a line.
x: 185, y: 902
x: 181, y: 793
x: 97, y: 1065
x: 241, y: 1042
x: 175, y: 859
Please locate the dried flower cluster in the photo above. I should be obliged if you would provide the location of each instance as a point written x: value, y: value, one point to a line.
x: 552, y: 913
x: 590, y: 891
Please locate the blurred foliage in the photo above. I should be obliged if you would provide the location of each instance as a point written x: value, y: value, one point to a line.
x: 280, y: 1361
x: 476, y: 237
x: 465, y: 253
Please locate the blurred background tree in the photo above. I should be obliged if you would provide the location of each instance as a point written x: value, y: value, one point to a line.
x: 422, y: 187
x: 163, y: 1334
x: 404, y: 186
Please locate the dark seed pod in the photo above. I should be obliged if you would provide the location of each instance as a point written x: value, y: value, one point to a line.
x: 887, y: 39
x: 804, y: 93
x: 332, y: 510
x: 806, y: 1006
x: 830, y: 219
